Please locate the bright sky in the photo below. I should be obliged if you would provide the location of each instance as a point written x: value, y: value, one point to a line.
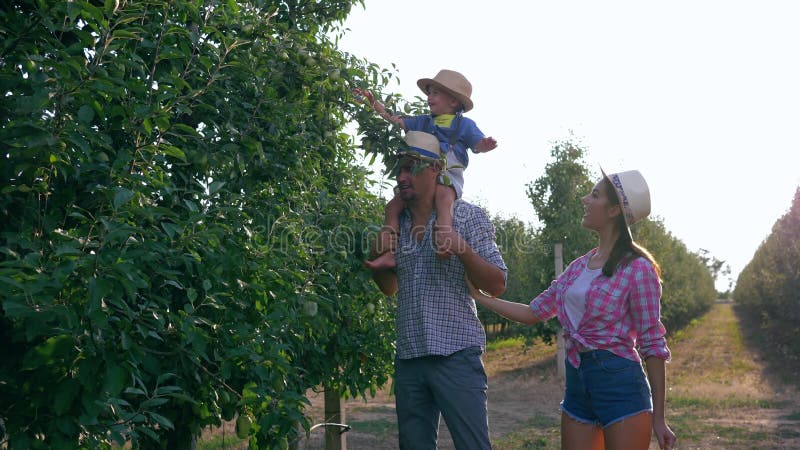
x: 703, y: 97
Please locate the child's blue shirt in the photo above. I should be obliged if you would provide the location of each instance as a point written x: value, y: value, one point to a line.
x: 468, y: 135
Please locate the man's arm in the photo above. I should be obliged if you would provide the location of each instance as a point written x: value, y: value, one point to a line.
x: 484, y: 275
x: 385, y: 279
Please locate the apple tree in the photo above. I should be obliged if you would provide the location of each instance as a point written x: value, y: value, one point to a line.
x: 182, y: 220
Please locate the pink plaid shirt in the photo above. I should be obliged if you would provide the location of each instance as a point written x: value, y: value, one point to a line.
x: 623, y: 313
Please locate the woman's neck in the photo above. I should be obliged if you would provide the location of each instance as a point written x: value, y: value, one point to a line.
x: 604, y: 248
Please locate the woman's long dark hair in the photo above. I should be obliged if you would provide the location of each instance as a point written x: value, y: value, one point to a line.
x: 624, y: 248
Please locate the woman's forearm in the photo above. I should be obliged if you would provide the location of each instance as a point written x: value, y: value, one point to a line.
x: 518, y: 312
x: 656, y: 374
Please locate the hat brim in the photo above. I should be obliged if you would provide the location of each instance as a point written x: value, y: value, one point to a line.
x: 619, y: 202
x: 425, y: 83
x: 418, y: 153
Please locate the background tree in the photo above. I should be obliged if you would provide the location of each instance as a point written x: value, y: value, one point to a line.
x: 716, y: 266
x: 768, y: 285
x: 555, y: 197
x: 521, y: 249
x: 687, y: 284
x: 182, y: 219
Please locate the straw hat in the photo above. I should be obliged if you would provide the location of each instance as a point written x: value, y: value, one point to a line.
x: 421, y: 145
x: 632, y: 193
x: 451, y: 82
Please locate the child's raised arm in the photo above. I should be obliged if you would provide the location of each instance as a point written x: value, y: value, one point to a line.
x: 379, y: 108
x: 486, y: 144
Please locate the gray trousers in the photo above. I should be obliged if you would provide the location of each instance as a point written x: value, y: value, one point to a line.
x: 453, y: 386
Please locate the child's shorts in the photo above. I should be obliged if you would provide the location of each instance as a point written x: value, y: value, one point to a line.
x: 605, y: 389
x: 453, y: 176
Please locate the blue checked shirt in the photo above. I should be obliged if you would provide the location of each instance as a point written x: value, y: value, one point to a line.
x: 435, y: 313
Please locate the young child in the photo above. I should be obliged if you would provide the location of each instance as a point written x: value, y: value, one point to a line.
x: 448, y: 98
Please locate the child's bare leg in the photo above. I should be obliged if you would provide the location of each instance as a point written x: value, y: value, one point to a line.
x: 445, y: 198
x: 387, y: 238
x: 383, y: 261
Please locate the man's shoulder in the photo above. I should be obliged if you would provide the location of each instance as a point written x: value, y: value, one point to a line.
x: 463, y: 207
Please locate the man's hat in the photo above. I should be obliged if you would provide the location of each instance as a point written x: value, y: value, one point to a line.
x: 421, y: 145
x: 632, y: 193
x: 451, y: 82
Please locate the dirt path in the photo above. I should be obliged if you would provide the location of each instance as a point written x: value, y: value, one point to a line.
x: 726, y: 391
x: 730, y: 388
x: 521, y: 385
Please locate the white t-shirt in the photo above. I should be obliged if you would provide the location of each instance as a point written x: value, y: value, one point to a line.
x: 575, y: 297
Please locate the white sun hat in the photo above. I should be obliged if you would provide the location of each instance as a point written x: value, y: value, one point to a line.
x: 421, y: 145
x: 632, y: 193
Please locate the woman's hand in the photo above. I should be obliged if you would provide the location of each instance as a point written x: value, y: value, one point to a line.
x: 666, y: 438
x: 474, y: 292
x: 518, y: 312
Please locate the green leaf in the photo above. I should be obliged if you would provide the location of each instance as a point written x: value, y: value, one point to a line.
x: 86, y: 114
x: 50, y: 352
x: 214, y: 187
x: 121, y: 196
x: 171, y: 229
x: 115, y: 379
x: 128, y: 18
x: 65, y: 394
x: 108, y: 7
x: 161, y: 420
x: 123, y: 34
x: 185, y: 128
x: 162, y: 122
x: 134, y: 391
x: 165, y: 376
x: 173, y: 151
x: 67, y: 249
x: 177, y: 284
x: 153, y: 402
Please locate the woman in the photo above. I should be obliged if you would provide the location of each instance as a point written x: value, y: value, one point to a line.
x: 608, y: 303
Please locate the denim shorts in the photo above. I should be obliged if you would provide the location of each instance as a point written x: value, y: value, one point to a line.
x: 605, y: 389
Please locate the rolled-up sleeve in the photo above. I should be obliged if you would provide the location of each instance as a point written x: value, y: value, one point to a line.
x: 545, y: 305
x: 480, y: 236
x: 645, y: 308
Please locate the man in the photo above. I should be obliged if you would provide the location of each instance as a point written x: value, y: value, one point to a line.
x: 438, y: 366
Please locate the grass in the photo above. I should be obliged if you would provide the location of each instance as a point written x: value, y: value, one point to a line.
x: 723, y: 403
x: 499, y: 344
x: 382, y: 428
x: 540, y: 432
